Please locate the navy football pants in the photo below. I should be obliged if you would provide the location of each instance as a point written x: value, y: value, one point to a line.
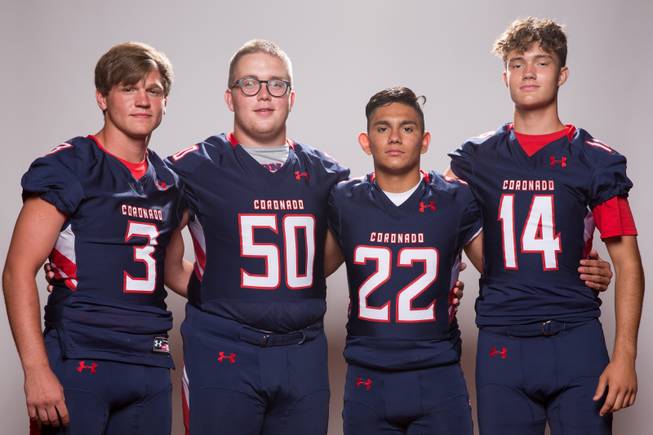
x: 527, y: 376
x: 245, y: 382
x: 111, y: 398
x: 431, y: 401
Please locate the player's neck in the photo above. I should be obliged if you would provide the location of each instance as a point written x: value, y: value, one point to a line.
x: 539, y: 121
x: 120, y: 145
x: 396, y: 183
x: 248, y: 140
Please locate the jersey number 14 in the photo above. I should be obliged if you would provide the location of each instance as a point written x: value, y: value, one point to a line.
x: 538, y: 234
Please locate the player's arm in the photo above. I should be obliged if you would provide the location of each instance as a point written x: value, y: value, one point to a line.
x: 333, y: 257
x: 177, y: 270
x: 619, y: 377
x: 449, y: 173
x: 595, y: 272
x: 35, y: 234
x: 474, y: 251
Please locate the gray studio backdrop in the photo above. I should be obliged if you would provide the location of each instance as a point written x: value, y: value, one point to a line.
x: 343, y: 52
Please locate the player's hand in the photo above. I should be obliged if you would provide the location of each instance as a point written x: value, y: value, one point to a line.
x: 49, y: 276
x: 620, y: 380
x: 595, y: 272
x: 458, y: 289
x: 45, y: 398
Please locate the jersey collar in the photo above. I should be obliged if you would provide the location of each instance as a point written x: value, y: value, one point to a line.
x: 234, y: 142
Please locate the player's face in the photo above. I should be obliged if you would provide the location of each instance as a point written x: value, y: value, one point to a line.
x: 533, y: 77
x: 395, y: 139
x: 260, y: 118
x: 135, y: 110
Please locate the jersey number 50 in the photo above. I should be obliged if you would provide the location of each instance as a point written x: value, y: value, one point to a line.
x: 269, y: 252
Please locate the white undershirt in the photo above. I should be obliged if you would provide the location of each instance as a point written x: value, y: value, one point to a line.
x: 401, y: 197
x: 272, y: 158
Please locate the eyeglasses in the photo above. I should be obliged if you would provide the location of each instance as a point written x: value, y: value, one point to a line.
x: 251, y: 86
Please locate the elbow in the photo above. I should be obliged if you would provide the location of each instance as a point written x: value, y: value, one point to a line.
x: 7, y: 278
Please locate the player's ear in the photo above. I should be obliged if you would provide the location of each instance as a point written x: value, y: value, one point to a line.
x: 101, y: 100
x: 229, y: 99
x: 364, y: 141
x: 292, y: 99
x: 563, y: 75
x: 426, y: 141
x: 504, y: 77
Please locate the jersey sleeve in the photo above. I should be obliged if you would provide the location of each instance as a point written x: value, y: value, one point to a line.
x: 184, y: 163
x: 181, y: 205
x: 53, y: 179
x: 462, y: 161
x: 332, y: 166
x: 614, y: 218
x: 609, y: 178
x: 471, y: 223
x: 333, y: 213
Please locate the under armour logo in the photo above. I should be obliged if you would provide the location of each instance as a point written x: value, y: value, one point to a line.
x: 231, y: 357
x: 160, y: 344
x: 299, y: 175
x: 562, y: 162
x: 82, y: 366
x: 364, y: 383
x: 424, y: 206
x: 503, y: 353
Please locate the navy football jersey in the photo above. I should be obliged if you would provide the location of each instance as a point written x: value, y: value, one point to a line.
x: 537, y: 222
x: 258, y: 235
x: 401, y: 264
x: 108, y: 300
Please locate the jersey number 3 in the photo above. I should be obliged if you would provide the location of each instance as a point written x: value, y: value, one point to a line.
x: 538, y: 234
x: 142, y: 254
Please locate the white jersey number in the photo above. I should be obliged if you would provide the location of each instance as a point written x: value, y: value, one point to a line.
x: 407, y: 257
x: 142, y: 254
x: 270, y: 253
x: 538, y: 235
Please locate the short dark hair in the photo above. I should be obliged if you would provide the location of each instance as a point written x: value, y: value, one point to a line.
x: 129, y: 63
x: 524, y: 32
x: 397, y: 94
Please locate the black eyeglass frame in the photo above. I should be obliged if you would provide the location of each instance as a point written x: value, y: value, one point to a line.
x: 238, y: 82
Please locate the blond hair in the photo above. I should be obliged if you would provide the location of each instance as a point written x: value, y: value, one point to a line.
x: 258, y: 46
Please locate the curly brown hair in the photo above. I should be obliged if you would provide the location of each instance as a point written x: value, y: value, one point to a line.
x: 524, y: 32
x: 128, y: 63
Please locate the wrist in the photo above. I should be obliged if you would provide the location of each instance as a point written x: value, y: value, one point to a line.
x: 626, y: 356
x: 35, y: 367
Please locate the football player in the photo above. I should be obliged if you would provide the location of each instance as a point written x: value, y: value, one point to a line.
x: 102, y: 207
x: 254, y: 347
x: 401, y: 231
x: 541, y: 352
x: 264, y: 60
x: 254, y: 343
